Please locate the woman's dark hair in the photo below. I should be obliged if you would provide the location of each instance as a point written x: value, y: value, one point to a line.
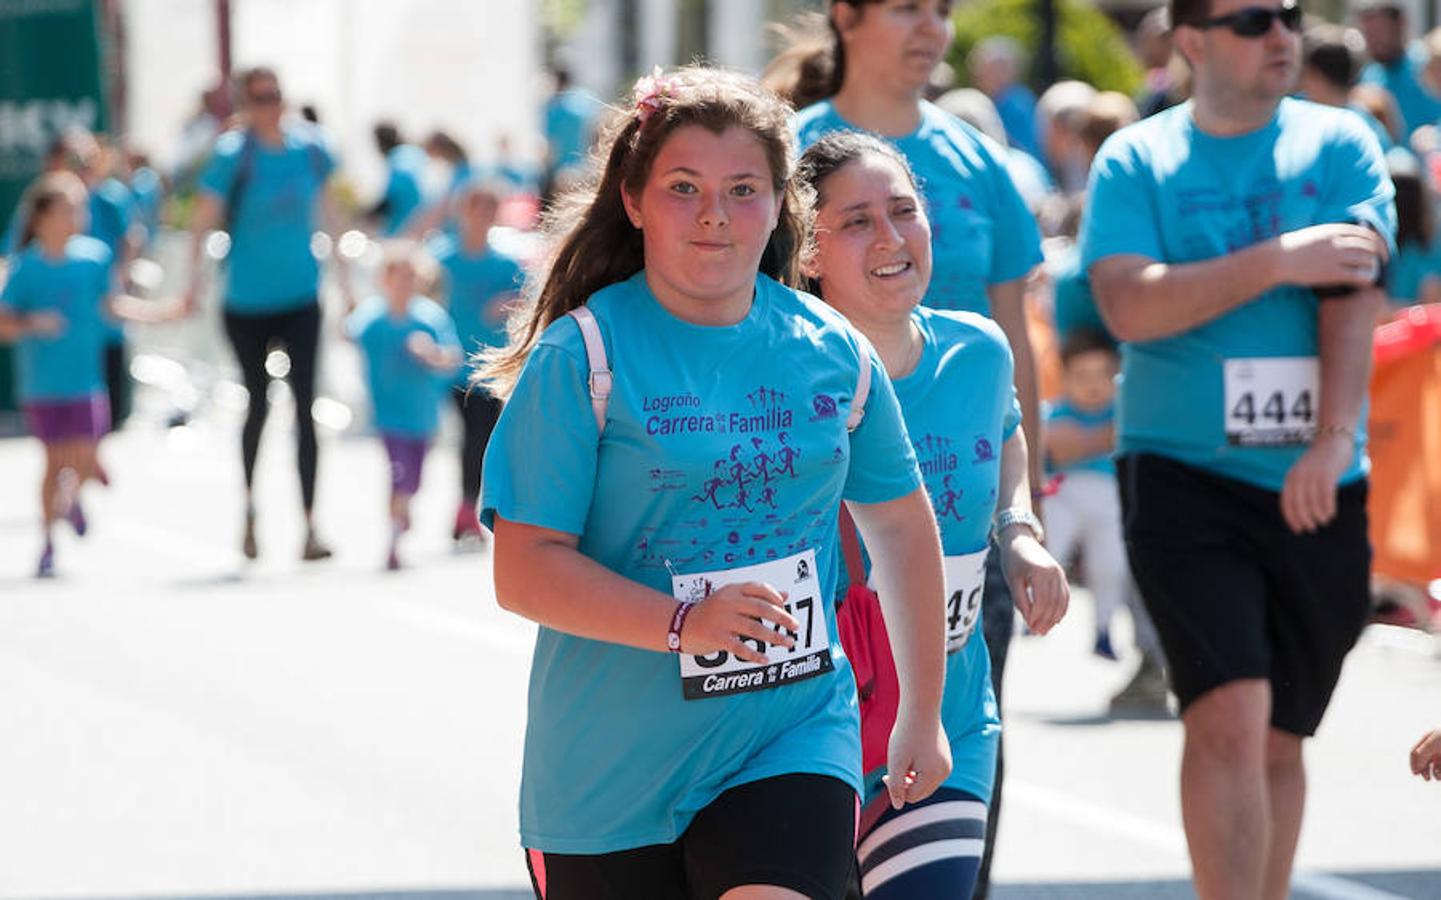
x: 42, y: 195
x: 594, y: 243
x: 834, y: 152
x: 446, y: 147
x: 812, y: 67
x: 1413, y: 205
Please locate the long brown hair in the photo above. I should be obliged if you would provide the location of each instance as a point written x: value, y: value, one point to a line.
x: 595, y: 244
x: 45, y: 192
x: 812, y: 65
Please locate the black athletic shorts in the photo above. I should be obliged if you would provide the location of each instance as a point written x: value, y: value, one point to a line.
x: 1235, y: 594
x: 791, y: 831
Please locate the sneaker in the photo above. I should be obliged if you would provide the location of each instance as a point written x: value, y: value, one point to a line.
x: 392, y: 562
x: 46, y: 569
x: 1145, y: 694
x: 76, y: 517
x: 247, y: 544
x: 315, y: 549
x: 1103, y: 646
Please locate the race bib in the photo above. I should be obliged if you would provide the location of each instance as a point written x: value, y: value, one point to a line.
x: 965, y: 583
x: 720, y: 674
x: 1272, y: 402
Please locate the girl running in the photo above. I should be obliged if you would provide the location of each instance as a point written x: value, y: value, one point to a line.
x: 877, y: 58
x: 411, y: 354
x: 634, y: 515
x: 477, y: 281
x: 55, y: 307
x: 952, y: 376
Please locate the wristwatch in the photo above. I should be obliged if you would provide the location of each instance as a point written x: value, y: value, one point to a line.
x: 1015, y: 515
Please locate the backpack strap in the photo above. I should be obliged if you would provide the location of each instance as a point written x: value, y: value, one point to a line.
x: 863, y: 390
x: 600, y: 379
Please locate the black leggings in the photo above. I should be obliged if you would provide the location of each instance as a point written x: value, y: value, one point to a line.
x: 117, y: 382
x: 478, y: 412
x: 253, y: 337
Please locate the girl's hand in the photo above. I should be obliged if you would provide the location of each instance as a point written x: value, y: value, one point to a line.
x: 1037, y: 581
x: 919, y: 758
x: 1426, y: 756
x: 730, y: 620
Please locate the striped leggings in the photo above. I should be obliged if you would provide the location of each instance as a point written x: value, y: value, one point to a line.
x: 926, y: 851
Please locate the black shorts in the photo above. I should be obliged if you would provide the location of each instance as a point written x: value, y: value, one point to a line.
x: 744, y: 837
x: 1235, y: 594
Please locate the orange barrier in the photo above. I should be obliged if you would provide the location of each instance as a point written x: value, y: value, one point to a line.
x: 1405, y: 447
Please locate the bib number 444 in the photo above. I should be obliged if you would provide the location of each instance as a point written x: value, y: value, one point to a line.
x: 1271, y: 402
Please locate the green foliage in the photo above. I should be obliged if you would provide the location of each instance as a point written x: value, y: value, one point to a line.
x: 1089, y: 46
x: 560, y: 17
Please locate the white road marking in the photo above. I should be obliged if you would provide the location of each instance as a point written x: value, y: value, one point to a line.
x: 1166, y: 838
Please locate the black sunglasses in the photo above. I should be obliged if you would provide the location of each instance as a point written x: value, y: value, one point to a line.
x: 1254, y: 21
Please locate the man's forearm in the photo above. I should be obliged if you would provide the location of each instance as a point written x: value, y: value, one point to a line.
x: 1345, y: 329
x: 1144, y: 300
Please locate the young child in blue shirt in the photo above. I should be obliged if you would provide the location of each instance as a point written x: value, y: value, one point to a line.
x: 55, y: 307
x: 411, y: 354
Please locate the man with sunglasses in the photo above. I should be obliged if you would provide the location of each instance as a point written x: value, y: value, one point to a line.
x: 265, y: 185
x: 1234, y: 244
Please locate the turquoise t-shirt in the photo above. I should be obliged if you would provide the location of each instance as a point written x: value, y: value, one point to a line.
x: 723, y: 447
x: 1062, y: 411
x: 67, y: 366
x: 404, y: 187
x: 271, y: 266
x: 406, y: 393
x: 960, y: 407
x: 1165, y: 190
x: 1411, y: 265
x: 568, y: 120
x: 472, y: 286
x: 981, y: 232
x: 112, y: 209
x: 1075, y: 304
x: 1402, y: 77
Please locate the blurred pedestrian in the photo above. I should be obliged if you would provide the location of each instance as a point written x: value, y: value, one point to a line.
x: 1383, y: 24
x: 404, y: 192
x: 265, y: 186
x: 411, y: 355
x: 1332, y: 58
x: 666, y: 476
x: 997, y: 64
x: 479, y: 282
x: 1211, y: 229
x: 1060, y: 115
x: 569, y: 121
x: 55, y: 306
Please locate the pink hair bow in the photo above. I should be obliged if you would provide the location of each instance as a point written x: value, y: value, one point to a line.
x: 651, y: 92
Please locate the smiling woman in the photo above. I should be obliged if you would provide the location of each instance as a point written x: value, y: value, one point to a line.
x: 665, y: 481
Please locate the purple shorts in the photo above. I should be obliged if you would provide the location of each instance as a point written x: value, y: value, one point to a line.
x: 407, y: 455
x: 69, y: 420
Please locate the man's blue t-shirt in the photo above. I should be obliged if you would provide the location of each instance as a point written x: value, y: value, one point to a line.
x: 475, y: 288
x: 960, y: 407
x: 271, y: 267
x: 1165, y: 190
x: 405, y: 391
x: 723, y: 447
x: 981, y: 231
x: 1063, y: 411
x: 404, y: 187
x: 1402, y: 77
x: 66, y: 366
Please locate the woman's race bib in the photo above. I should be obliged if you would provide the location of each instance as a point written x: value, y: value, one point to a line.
x: 965, y: 583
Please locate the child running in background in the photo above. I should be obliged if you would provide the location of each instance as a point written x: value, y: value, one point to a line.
x: 55, y: 307
x: 411, y: 353
x: 477, y: 283
x: 1084, y: 513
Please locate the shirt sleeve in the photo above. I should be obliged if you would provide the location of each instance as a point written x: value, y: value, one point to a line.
x: 1118, y: 219
x: 219, y: 173
x: 15, y: 298
x: 540, y: 466
x: 1018, y: 248
x: 883, y: 463
x: 1359, y: 188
